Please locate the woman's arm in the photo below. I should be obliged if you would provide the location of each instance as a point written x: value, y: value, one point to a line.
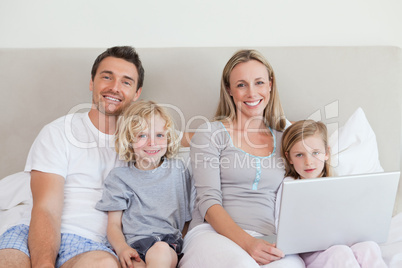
x: 117, y: 240
x: 185, y: 229
x: 185, y: 141
x: 261, y: 251
x: 206, y: 150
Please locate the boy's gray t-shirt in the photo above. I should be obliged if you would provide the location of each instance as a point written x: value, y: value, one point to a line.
x: 154, y: 202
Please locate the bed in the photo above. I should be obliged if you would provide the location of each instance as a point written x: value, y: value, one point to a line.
x: 356, y: 91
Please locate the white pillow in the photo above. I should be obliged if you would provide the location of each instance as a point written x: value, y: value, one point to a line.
x: 354, y: 147
x: 184, y: 155
x: 14, y: 190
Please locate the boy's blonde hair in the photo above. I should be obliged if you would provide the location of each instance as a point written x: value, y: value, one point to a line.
x: 135, y: 119
x: 273, y: 114
x: 299, y: 131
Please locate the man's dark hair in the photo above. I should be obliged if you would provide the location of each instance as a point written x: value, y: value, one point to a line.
x: 122, y: 52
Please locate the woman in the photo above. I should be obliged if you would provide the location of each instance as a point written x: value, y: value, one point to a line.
x: 237, y: 170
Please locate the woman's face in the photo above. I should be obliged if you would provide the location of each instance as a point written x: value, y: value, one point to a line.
x: 250, y: 88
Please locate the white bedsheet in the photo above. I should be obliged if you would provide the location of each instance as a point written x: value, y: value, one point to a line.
x: 392, y: 249
x: 16, y: 199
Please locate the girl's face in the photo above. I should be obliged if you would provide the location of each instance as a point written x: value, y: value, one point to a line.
x: 151, y: 144
x: 308, y: 156
x: 250, y: 88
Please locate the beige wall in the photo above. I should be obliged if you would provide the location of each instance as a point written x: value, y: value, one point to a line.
x: 199, y: 23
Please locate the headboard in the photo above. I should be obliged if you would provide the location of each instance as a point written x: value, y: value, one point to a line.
x: 40, y: 85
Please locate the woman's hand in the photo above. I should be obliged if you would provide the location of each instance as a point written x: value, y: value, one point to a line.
x: 126, y: 255
x: 262, y: 251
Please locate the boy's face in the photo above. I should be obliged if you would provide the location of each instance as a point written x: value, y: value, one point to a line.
x: 308, y: 157
x: 151, y: 144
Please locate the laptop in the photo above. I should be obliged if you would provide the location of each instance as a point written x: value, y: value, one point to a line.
x: 316, y: 214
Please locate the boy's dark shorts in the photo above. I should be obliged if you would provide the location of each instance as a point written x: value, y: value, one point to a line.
x: 143, y: 245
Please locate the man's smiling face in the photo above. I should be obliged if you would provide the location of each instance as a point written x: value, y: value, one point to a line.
x: 114, y: 86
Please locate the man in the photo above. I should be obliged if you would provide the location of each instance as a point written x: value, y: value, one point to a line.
x: 68, y: 162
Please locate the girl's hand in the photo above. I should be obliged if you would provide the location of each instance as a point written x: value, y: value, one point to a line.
x: 263, y: 252
x: 126, y: 255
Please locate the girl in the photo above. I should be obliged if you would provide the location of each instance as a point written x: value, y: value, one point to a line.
x: 148, y: 202
x: 307, y: 155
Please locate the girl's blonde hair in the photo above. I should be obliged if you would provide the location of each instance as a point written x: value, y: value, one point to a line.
x: 299, y: 131
x: 273, y: 113
x: 135, y: 119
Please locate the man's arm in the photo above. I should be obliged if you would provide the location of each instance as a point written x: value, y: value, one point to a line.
x: 44, y: 231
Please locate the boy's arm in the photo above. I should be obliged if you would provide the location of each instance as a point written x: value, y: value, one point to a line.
x: 44, y: 231
x: 118, y: 241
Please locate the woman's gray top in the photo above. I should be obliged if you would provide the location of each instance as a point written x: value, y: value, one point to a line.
x: 245, y: 185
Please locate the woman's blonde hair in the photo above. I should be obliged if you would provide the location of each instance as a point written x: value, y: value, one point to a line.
x: 135, y: 119
x: 299, y: 131
x: 273, y: 113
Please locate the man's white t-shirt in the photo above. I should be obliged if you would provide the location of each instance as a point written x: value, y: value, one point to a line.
x: 75, y: 149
